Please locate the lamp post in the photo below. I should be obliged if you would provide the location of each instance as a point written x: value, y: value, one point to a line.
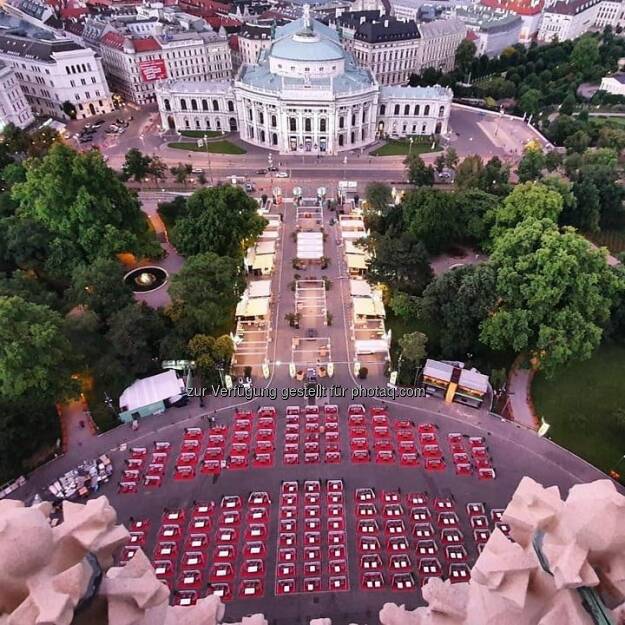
x: 204, y: 143
x: 410, y: 142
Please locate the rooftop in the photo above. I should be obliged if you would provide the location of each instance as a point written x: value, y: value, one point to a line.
x: 433, y: 93
x: 40, y: 49
x: 386, y: 29
x: 571, y: 7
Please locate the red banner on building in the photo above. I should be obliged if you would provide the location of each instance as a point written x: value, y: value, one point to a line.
x: 153, y: 70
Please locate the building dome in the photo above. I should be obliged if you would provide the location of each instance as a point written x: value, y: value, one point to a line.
x: 307, y: 45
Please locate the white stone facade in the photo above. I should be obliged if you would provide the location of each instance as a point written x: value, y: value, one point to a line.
x: 54, y: 72
x: 610, y: 14
x: 305, y: 96
x: 564, y: 21
x: 14, y: 109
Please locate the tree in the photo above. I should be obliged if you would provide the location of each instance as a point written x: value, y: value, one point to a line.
x: 553, y: 291
x: 577, y: 142
x: 181, y: 172
x: 465, y: 53
x: 469, y: 173
x: 527, y: 200
x: 585, y: 55
x: 223, y: 220
x: 25, y: 284
x: 439, y: 163
x: 495, y: 177
x: 553, y: 160
x: 137, y: 165
x: 401, y: 261
x: 451, y: 158
x: 413, y: 346
x: 157, y: 169
x: 459, y: 301
x: 568, y: 105
x: 611, y: 138
x: 134, y: 335
x: 35, y: 356
x: 434, y: 217
x: 83, y: 204
x: 210, y: 354
x: 100, y: 287
x: 478, y: 213
x: 205, y: 293
x: 69, y: 109
x: 585, y: 212
x: 419, y: 173
x: 531, y: 165
x: 378, y: 196
x: 530, y: 101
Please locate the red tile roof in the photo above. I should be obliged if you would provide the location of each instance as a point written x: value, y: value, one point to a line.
x: 146, y: 44
x: 217, y: 21
x: 113, y: 40
x: 233, y: 42
x: 520, y: 7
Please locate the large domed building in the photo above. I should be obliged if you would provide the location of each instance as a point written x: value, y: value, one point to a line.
x: 306, y: 94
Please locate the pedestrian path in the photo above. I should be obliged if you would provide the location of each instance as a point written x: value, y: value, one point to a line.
x: 519, y: 391
x: 77, y: 426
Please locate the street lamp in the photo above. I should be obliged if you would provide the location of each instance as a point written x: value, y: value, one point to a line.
x: 204, y: 143
x: 410, y: 141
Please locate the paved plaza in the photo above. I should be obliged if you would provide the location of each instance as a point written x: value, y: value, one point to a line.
x: 352, y: 508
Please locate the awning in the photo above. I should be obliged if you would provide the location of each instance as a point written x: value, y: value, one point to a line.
x: 309, y: 245
x: 265, y: 247
x: 374, y: 346
x: 437, y: 370
x: 473, y: 381
x: 355, y: 261
x: 360, y: 288
x: 352, y: 248
x: 255, y: 307
x: 259, y: 288
x: 353, y: 235
x: 268, y: 235
x: 263, y: 262
x: 151, y: 390
x: 352, y: 224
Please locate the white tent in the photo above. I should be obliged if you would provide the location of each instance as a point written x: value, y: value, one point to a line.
x: 374, y: 346
x: 253, y: 307
x: 353, y: 235
x: 309, y: 245
x: 359, y: 288
x: 259, y: 288
x: 151, y: 390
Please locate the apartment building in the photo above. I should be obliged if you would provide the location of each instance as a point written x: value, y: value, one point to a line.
x: 566, y: 20
x: 14, y: 109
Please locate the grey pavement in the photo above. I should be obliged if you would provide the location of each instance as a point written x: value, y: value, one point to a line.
x: 466, y: 256
x: 519, y: 393
x: 516, y: 452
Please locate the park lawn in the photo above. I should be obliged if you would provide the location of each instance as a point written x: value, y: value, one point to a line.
x: 614, y: 240
x: 610, y: 121
x: 401, y: 147
x: 578, y: 402
x: 215, y: 147
x: 200, y: 134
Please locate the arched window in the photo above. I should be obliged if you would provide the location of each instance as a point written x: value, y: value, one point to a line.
x: 183, y: 104
x: 167, y: 105
x: 193, y: 104
x: 274, y: 139
x: 197, y: 124
x: 441, y: 111
x: 215, y: 105
x: 208, y: 123
x: 230, y: 106
x: 416, y: 109
x: 426, y: 110
x: 396, y: 109
x: 273, y: 121
x: 341, y: 139
x: 204, y: 105
x: 407, y: 109
x: 186, y: 123
x: 262, y: 136
x: 261, y: 118
x: 322, y: 125
x: 382, y: 109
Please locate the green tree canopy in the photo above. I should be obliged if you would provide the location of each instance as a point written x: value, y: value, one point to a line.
x: 465, y: 53
x: 413, y: 346
x: 553, y: 291
x: 419, y: 173
x: 80, y: 200
x: 223, y: 220
x: 469, y: 172
x: 458, y: 301
x: 401, y: 261
x: 136, y: 165
x: 205, y: 293
x: 434, y: 217
x: 531, y: 165
x: 35, y: 356
x: 585, y: 56
x: 100, y: 287
x: 530, y: 199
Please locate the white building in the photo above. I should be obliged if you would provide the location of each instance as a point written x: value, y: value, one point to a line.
x: 14, y: 108
x: 566, y: 20
x: 306, y: 95
x: 252, y: 39
x: 395, y: 49
x: 614, y: 84
x: 156, y: 43
x: 610, y: 14
x: 492, y: 30
x: 56, y: 76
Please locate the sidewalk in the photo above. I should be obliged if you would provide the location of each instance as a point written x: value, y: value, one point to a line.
x: 519, y: 392
x: 75, y: 435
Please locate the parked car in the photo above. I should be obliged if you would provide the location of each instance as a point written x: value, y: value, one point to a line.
x: 98, y: 123
x: 261, y: 172
x: 282, y: 174
x: 249, y: 187
x: 272, y: 168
